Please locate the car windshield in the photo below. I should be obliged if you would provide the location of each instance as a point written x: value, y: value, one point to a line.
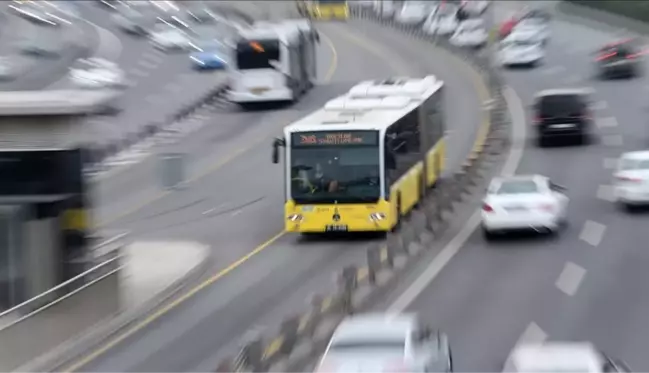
x: 346, y: 173
x: 518, y: 44
x: 518, y: 187
x: 561, y: 105
x: 257, y: 54
x: 628, y: 164
x: 390, y: 346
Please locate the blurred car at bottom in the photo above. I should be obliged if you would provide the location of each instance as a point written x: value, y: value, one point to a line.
x: 97, y: 73
x: 376, y: 343
x: 566, y: 357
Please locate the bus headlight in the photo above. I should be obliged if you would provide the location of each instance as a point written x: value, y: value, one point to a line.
x: 295, y: 217
x: 377, y: 216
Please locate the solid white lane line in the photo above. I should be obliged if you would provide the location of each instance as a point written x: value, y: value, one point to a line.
x: 610, y: 163
x: 606, y: 193
x: 570, y: 278
x: 532, y: 335
x: 612, y: 140
x: 607, y: 122
x: 518, y: 135
x: 592, y: 233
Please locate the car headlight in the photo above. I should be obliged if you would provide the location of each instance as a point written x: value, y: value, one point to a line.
x: 377, y: 216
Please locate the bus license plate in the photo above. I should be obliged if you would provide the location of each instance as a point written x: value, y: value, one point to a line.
x: 258, y: 91
x: 336, y: 228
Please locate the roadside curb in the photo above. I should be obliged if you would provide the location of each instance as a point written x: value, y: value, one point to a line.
x: 299, y: 338
x: 67, y: 352
x: 597, y: 18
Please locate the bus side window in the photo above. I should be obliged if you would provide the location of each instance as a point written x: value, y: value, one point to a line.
x: 435, y: 118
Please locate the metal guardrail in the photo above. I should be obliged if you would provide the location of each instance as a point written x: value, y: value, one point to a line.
x: 60, y: 314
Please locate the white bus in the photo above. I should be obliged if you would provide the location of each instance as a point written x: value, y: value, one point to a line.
x: 365, y: 159
x: 274, y: 62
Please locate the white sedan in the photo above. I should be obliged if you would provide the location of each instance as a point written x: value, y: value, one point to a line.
x: 97, y: 73
x: 470, y: 33
x: 532, y: 29
x: 475, y: 7
x: 527, y: 202
x: 631, y: 179
x: 376, y: 343
x: 514, y: 52
x: 563, y: 357
x: 442, y: 20
x: 169, y: 38
x: 413, y: 12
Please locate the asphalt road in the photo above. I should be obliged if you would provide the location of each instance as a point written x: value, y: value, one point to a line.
x: 35, y: 73
x: 159, y: 83
x: 238, y: 205
x: 586, y: 284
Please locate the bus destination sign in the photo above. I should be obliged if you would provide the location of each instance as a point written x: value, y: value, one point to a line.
x: 328, y: 138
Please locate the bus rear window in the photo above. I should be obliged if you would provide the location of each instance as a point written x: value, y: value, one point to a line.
x: 257, y: 54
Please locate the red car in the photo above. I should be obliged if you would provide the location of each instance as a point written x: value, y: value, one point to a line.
x: 507, y: 27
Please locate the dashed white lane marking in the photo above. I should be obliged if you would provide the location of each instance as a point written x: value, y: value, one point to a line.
x: 600, y: 105
x: 553, y: 70
x: 592, y: 233
x: 606, y: 193
x: 533, y: 335
x: 610, y: 163
x: 570, y: 278
x: 612, y: 140
x: 608, y: 122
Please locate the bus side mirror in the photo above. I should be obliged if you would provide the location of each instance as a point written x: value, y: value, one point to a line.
x: 276, y: 144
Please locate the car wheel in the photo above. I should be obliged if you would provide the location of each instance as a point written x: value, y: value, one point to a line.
x: 584, y: 138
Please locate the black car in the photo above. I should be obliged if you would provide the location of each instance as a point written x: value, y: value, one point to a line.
x: 620, y: 59
x: 562, y: 113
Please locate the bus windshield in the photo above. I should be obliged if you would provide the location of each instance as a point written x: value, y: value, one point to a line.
x: 345, y: 173
x: 257, y: 54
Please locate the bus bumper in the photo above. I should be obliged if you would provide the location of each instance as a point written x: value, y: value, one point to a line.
x: 268, y: 96
x: 350, y: 218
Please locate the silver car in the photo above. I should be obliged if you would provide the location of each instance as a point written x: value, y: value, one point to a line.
x: 386, y: 343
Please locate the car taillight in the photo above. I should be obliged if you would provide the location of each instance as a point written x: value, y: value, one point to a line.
x: 537, y: 120
x: 628, y: 179
x: 487, y: 208
x: 606, y: 56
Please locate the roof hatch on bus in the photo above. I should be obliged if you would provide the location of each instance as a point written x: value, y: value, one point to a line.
x: 395, y: 86
x: 347, y: 103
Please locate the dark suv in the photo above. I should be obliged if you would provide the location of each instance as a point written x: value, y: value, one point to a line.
x: 562, y: 113
x: 618, y: 60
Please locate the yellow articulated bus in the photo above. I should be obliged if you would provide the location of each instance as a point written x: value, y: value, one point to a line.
x: 324, y: 9
x: 365, y: 159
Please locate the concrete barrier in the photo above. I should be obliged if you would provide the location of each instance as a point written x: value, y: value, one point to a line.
x: 360, y: 286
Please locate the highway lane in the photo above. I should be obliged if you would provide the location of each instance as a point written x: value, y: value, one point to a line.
x: 34, y: 73
x: 582, y: 285
x: 280, y: 275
